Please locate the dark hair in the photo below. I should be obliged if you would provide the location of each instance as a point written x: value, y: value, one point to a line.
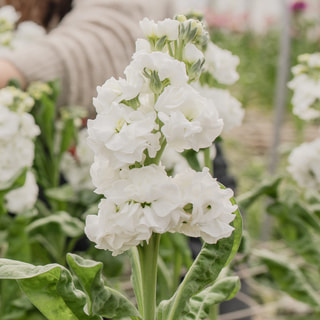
x: 44, y: 12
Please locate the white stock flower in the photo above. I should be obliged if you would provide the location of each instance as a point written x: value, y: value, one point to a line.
x: 209, y: 208
x: 306, y: 93
x: 125, y: 132
x: 229, y: 108
x: 9, y: 123
x: 192, y: 54
x: 114, y: 90
x: 23, y: 198
x: 166, y: 67
x: 173, y: 161
x: 221, y: 64
x: 166, y: 27
x: 117, y: 227
x: 76, y: 167
x: 304, y: 164
x: 157, y: 194
x: 190, y: 121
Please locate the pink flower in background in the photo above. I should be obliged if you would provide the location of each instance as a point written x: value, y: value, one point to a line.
x: 298, y: 6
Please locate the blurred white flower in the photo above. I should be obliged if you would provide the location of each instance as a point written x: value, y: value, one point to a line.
x: 208, y: 205
x: 222, y: 64
x: 306, y: 96
x: 23, y: 198
x: 9, y: 14
x: 75, y: 165
x: 190, y: 121
x: 304, y: 164
x: 229, y: 108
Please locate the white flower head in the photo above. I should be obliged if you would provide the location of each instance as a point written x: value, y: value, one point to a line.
x: 26, y: 32
x: 221, y: 64
x: 23, y: 198
x: 229, y: 108
x: 306, y: 96
x: 167, y: 68
x: 126, y: 133
x: 304, y: 164
x: 117, y: 227
x: 208, y: 205
x: 190, y: 121
x: 114, y: 90
x: 166, y: 27
x: 157, y: 194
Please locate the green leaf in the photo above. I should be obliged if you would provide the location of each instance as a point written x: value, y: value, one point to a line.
x: 267, y: 188
x: 68, y: 135
x: 200, y: 304
x: 50, y: 288
x: 191, y: 157
x: 15, y: 182
x: 64, y: 193
x: 204, y: 271
x: 289, y: 278
x: 101, y: 300
x: 72, y: 227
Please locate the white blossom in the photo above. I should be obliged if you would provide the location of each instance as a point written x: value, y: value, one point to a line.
x: 76, y: 166
x: 165, y: 66
x: 157, y: 194
x: 208, y: 205
x: 117, y: 228
x: 26, y: 32
x: 166, y: 27
x: 23, y: 198
x: 114, y: 90
x: 221, y: 64
x: 125, y: 132
x: 306, y: 95
x: 304, y: 164
x: 190, y: 121
x: 229, y: 108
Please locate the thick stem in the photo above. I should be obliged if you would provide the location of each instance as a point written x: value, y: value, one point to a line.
x: 148, y: 256
x: 207, y: 160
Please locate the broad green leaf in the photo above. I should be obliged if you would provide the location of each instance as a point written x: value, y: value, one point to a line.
x: 50, y: 288
x: 191, y: 157
x: 200, y: 304
x: 101, y: 300
x: 289, y: 278
x: 203, y: 272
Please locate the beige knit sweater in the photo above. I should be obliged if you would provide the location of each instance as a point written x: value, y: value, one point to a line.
x: 92, y: 43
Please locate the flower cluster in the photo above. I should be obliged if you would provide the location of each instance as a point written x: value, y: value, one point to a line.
x: 304, y: 160
x: 17, y: 132
x: 306, y: 87
x: 304, y: 164
x: 14, y: 34
x: 138, y: 117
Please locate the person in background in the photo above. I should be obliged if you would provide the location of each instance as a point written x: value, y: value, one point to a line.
x: 88, y: 41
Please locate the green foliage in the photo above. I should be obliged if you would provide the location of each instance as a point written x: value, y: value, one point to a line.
x: 55, y: 292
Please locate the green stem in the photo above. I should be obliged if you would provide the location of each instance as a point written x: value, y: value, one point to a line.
x: 213, y: 315
x: 207, y: 160
x: 148, y: 254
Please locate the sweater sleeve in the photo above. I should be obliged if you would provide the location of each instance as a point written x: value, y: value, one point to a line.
x: 92, y: 43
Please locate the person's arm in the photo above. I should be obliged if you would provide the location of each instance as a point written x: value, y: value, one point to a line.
x: 9, y: 72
